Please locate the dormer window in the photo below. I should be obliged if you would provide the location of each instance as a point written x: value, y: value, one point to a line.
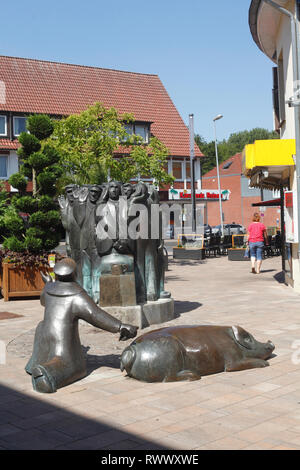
x: 140, y: 129
x: 227, y: 165
x: 19, y: 125
x: 3, y: 125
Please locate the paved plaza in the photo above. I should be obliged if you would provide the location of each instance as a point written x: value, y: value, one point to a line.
x: 252, y: 409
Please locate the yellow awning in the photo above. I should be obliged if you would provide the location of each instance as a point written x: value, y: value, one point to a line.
x: 267, y: 162
x: 265, y: 153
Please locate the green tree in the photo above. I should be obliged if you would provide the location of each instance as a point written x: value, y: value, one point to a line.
x: 234, y: 144
x: 4, y: 197
x: 95, y: 144
x: 33, y: 223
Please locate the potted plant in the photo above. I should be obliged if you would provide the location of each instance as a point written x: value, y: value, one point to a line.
x: 237, y: 252
x: 189, y: 247
x: 32, y: 222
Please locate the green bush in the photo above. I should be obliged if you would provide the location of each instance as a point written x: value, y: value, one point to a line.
x: 57, y: 170
x: 18, y: 181
x: 26, y: 170
x: 42, y: 231
x: 34, y: 232
x: 30, y: 144
x: 40, y: 125
x: 53, y: 218
x: 46, y: 203
x: 46, y: 182
x: 38, y: 161
x: 38, y: 219
x: 26, y: 204
x: 52, y: 154
x: 13, y: 244
x: 13, y: 223
x: 51, y: 240
x: 32, y: 244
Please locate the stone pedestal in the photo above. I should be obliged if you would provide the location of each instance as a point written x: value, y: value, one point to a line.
x: 150, y: 313
x: 117, y: 288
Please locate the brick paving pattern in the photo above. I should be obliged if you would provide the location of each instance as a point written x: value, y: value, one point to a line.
x: 252, y: 409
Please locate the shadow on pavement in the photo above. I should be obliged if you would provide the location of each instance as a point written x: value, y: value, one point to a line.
x: 28, y: 423
x: 186, y: 262
x: 279, y: 277
x: 185, y: 306
x: 94, y: 361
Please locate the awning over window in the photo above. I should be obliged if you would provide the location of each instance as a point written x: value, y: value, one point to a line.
x: 271, y: 203
x: 267, y: 162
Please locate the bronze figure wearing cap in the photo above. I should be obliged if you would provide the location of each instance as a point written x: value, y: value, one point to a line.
x: 57, y: 359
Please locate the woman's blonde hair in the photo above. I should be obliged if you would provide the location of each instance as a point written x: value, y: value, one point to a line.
x: 256, y: 217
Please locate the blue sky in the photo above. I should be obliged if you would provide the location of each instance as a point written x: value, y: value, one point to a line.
x: 202, y: 51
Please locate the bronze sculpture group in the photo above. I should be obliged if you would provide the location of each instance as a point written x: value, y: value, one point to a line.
x: 96, y: 219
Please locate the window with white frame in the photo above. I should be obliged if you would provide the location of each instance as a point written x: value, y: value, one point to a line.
x: 3, y: 166
x: 281, y: 89
x: 187, y: 170
x: 129, y: 128
x: 3, y: 125
x: 177, y: 169
x: 19, y: 125
x: 140, y: 129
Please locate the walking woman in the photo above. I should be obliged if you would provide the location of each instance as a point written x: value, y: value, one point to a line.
x: 257, y: 235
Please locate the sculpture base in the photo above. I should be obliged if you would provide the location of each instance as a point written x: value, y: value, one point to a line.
x: 150, y: 313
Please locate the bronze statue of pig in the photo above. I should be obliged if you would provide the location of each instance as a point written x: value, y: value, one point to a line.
x: 189, y: 352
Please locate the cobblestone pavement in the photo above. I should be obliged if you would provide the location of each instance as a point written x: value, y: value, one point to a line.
x: 252, y: 409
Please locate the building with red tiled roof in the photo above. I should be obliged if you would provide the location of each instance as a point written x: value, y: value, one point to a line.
x: 30, y: 86
x: 237, y: 207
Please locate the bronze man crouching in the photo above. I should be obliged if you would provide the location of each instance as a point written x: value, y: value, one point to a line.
x: 57, y: 359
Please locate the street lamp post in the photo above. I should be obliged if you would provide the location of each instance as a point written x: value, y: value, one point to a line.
x: 218, y: 174
x: 192, y: 173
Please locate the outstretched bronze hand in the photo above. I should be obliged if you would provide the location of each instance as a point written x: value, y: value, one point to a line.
x: 127, y: 331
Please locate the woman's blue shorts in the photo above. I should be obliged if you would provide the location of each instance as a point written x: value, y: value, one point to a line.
x: 256, y: 250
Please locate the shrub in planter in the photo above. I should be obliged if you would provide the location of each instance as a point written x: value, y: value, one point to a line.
x: 33, y: 222
x: 3, y: 207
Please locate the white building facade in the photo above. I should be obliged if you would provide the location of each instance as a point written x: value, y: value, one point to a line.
x: 275, y: 28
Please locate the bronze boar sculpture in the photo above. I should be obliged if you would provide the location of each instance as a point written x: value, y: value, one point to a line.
x: 189, y: 352
x: 57, y: 358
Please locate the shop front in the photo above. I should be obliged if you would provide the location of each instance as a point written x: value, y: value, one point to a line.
x: 269, y: 164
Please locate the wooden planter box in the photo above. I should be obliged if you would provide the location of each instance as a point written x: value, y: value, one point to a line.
x: 237, y: 254
x: 194, y: 254
x: 17, y: 282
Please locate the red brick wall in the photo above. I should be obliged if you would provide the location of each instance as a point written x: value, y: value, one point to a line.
x: 236, y: 209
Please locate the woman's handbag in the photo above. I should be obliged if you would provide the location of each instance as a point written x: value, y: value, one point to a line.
x: 247, y: 252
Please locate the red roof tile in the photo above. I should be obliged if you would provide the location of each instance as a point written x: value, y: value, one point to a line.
x: 234, y: 168
x: 9, y: 144
x: 36, y: 86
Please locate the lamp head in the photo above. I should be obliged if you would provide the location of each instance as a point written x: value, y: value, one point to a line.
x: 218, y: 117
